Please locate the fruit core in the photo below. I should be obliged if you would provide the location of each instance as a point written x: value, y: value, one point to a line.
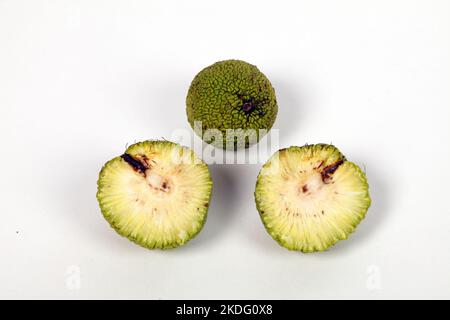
x: 143, y: 166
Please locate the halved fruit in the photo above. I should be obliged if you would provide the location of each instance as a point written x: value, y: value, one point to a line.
x: 156, y: 194
x: 311, y: 197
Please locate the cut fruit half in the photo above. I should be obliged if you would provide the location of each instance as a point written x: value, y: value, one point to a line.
x: 310, y: 197
x: 156, y: 194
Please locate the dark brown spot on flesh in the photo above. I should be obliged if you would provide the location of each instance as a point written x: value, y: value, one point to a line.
x: 135, y: 163
x: 320, y: 165
x: 328, y: 171
x: 305, y: 188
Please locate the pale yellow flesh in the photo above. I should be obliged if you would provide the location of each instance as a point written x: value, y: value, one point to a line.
x: 302, y: 210
x: 163, y: 208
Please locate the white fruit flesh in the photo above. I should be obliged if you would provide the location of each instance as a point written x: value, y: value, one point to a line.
x: 309, y: 198
x: 160, y: 204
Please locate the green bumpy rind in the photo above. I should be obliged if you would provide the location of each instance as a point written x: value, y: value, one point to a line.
x: 231, y: 94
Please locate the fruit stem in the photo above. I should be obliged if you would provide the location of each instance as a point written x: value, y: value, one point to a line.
x: 328, y: 171
x: 134, y: 163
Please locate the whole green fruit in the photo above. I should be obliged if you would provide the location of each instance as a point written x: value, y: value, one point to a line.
x: 231, y: 104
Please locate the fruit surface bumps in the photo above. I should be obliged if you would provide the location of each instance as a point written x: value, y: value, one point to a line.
x: 311, y: 197
x: 235, y: 95
x: 156, y: 194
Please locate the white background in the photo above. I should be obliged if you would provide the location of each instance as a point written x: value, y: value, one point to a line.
x: 81, y: 79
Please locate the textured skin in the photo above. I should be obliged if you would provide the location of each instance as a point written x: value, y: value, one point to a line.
x: 231, y: 94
